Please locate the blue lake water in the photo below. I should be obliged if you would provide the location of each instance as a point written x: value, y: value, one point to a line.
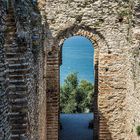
x: 77, y: 56
x: 75, y: 127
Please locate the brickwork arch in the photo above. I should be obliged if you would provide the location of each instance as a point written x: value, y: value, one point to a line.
x: 93, y: 38
x: 89, y: 35
x: 53, y: 81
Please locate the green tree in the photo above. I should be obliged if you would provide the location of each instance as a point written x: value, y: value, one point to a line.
x: 88, y: 89
x: 75, y: 96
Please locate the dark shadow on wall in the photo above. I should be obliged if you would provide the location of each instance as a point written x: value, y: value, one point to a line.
x: 24, y: 46
x: 95, y: 106
x: 4, y: 107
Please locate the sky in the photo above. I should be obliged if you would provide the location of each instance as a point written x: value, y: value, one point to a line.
x: 77, y: 56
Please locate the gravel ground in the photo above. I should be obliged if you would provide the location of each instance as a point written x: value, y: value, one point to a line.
x: 75, y: 127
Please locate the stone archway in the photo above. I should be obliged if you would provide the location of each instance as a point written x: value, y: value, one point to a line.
x: 93, y: 38
x: 53, y: 81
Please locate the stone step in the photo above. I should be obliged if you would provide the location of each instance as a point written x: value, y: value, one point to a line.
x: 15, y: 137
x: 16, y: 49
x: 19, y: 126
x: 17, y: 88
x: 19, y: 105
x: 10, y: 20
x: 10, y: 12
x: 16, y: 83
x: 10, y: 34
x: 17, y: 80
x: 18, y: 66
x: 19, y: 109
x: 18, y: 121
x: 20, y: 101
x: 19, y: 71
x: 13, y: 45
x: 10, y: 42
x: 11, y: 29
x: 10, y: 16
x: 13, y: 55
x: 18, y: 95
x: 16, y: 116
x: 19, y: 131
x: 10, y: 6
x: 20, y: 77
x: 10, y: 24
x: 10, y: 39
x: 16, y: 60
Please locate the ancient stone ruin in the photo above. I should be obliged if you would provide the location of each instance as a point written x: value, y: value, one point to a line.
x: 31, y: 38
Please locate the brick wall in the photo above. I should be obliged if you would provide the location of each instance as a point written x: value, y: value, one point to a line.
x: 4, y: 105
x: 52, y: 77
x: 110, y: 21
x: 22, y: 115
x: 29, y: 65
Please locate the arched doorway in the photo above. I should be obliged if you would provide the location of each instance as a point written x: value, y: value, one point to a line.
x: 54, y: 60
x: 77, y: 87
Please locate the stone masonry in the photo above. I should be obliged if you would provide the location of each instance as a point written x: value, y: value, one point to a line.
x: 23, y: 100
x: 110, y: 22
x: 32, y: 34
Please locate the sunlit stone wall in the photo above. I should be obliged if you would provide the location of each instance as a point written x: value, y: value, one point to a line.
x: 133, y: 77
x: 111, y: 20
x: 30, y: 71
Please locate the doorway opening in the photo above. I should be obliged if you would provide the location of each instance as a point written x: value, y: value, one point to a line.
x: 76, y: 89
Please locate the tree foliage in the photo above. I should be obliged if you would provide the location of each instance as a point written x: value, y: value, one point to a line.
x: 76, y: 96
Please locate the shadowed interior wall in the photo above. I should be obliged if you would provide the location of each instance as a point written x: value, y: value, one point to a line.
x: 30, y: 36
x: 23, y: 88
x: 4, y: 107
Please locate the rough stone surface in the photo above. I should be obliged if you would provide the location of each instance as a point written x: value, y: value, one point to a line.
x: 4, y: 107
x: 133, y: 78
x: 31, y: 38
x: 22, y: 92
x: 111, y: 22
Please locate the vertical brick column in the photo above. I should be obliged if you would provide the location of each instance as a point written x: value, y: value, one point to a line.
x: 103, y: 92
x: 4, y: 106
x: 111, y: 98
x: 17, y: 72
x: 52, y: 79
x: 95, y: 102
